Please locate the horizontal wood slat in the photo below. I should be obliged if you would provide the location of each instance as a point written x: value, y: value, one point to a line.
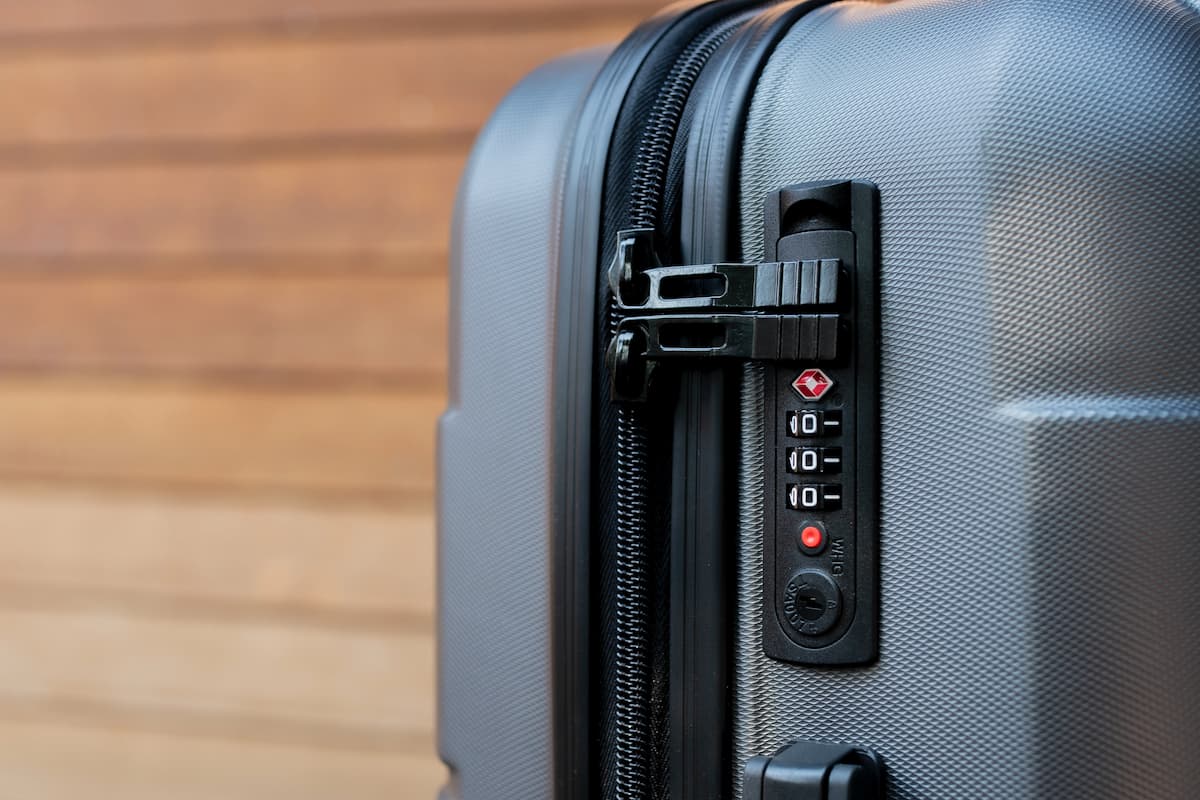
x: 223, y: 229
x: 56, y: 17
x: 316, y: 326
x: 291, y: 90
x: 40, y: 759
x: 407, y: 262
x: 374, y: 206
x: 364, y: 442
x: 223, y: 555
x: 270, y: 673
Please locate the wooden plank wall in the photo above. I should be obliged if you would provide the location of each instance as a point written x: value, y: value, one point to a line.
x: 223, y: 228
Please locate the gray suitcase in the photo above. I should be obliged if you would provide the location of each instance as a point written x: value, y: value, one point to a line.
x: 825, y: 410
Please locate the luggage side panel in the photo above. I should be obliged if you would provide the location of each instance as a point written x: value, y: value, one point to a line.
x: 494, y: 591
x: 1038, y: 165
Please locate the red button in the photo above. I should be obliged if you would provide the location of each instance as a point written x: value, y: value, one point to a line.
x: 812, y: 537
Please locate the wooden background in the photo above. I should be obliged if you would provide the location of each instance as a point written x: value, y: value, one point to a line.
x: 223, y: 232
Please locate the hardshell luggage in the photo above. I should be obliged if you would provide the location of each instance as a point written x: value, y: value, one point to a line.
x: 825, y: 410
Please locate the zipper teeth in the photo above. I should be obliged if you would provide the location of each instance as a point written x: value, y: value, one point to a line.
x: 634, y: 748
x: 634, y: 734
x: 654, y: 152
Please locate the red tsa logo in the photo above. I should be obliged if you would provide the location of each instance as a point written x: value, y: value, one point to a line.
x: 812, y: 384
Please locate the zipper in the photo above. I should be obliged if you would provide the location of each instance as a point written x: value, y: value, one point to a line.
x: 639, y: 283
x: 636, y: 748
x: 782, y: 311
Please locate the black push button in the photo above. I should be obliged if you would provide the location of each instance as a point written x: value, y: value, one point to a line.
x: 803, y: 424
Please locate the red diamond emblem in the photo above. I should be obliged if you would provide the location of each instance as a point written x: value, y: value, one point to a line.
x: 812, y: 384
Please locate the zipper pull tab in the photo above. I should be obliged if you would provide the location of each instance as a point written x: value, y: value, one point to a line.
x: 642, y: 343
x: 760, y: 317
x: 639, y: 282
x: 626, y: 275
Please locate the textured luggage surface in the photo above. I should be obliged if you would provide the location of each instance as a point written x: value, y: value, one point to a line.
x: 1039, y: 230
x: 494, y: 525
x: 1037, y: 165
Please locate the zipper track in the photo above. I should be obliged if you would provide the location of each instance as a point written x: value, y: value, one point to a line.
x: 654, y: 151
x: 635, y: 750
